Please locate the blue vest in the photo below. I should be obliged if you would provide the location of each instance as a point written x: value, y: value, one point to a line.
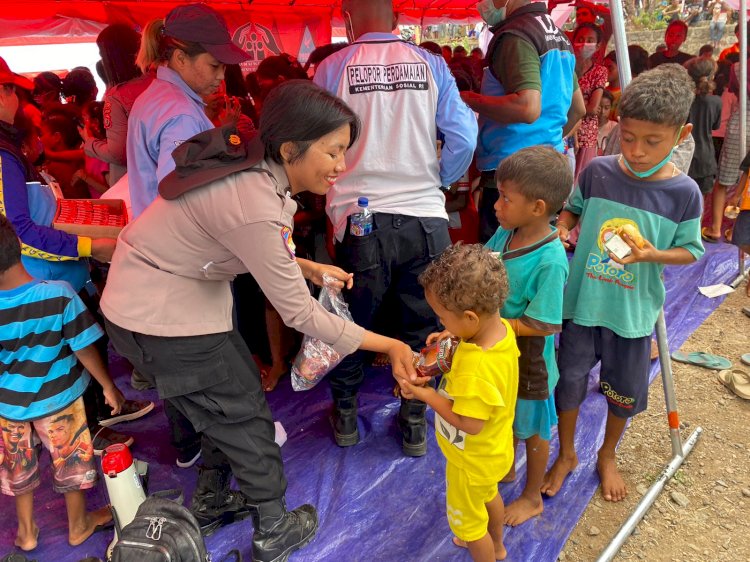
x: 498, y: 141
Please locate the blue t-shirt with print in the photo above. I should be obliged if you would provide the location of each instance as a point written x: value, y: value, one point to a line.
x: 600, y: 292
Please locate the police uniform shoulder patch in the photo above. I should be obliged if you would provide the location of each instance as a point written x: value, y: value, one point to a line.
x: 286, y: 236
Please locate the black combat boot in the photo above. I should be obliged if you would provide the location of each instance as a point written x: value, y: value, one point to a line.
x: 413, y: 427
x: 279, y: 532
x: 345, y: 428
x: 214, y: 504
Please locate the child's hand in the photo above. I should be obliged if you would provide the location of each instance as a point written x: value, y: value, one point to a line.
x: 438, y: 337
x: 114, y: 399
x: 646, y: 253
x: 412, y: 391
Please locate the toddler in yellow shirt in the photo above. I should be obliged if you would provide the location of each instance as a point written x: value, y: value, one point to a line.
x: 476, y: 400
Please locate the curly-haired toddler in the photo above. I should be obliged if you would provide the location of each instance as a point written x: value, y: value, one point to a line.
x: 475, y: 402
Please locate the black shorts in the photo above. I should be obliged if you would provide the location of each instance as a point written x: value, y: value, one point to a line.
x: 624, y: 373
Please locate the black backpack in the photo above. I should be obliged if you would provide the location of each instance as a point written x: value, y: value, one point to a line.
x: 162, y: 531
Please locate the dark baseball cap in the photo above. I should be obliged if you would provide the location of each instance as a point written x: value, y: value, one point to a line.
x: 209, y: 156
x: 203, y: 25
x: 8, y: 77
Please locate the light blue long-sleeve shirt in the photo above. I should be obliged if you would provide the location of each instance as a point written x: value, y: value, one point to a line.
x: 167, y: 114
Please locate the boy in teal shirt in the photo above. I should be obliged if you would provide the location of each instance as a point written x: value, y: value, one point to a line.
x: 611, y: 303
x: 533, y: 184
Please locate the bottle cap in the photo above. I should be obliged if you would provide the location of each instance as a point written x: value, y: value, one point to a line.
x: 363, y: 202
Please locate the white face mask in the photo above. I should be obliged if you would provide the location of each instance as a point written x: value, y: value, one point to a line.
x: 587, y: 50
x: 491, y: 15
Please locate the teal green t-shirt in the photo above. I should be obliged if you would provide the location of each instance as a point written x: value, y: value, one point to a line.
x: 600, y: 292
x: 536, y: 275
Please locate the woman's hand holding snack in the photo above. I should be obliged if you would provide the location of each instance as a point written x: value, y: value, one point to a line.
x: 402, y: 362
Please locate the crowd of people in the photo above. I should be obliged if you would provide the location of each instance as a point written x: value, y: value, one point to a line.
x: 478, y: 170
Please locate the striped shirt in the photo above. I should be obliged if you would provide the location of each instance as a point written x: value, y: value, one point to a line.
x: 42, y: 324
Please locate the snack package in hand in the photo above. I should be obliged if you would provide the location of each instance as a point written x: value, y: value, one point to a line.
x: 316, y: 358
x: 436, y: 359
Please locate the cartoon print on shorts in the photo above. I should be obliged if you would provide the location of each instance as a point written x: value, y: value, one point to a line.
x: 71, y: 446
x: 17, y: 456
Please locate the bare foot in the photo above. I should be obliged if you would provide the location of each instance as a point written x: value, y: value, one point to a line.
x: 92, y: 520
x: 523, y: 509
x: 271, y: 377
x: 556, y: 476
x: 500, y: 553
x: 26, y: 540
x: 511, y: 476
x: 613, y: 486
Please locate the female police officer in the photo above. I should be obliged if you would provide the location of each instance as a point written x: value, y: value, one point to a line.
x: 227, y: 209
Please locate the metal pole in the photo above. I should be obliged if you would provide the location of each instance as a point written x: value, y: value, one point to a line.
x: 679, y: 450
x: 621, y: 45
x: 668, y: 382
x: 743, y: 116
x: 648, y: 500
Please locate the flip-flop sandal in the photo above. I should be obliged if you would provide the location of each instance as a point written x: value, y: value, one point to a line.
x: 745, y: 358
x: 702, y: 359
x: 737, y: 381
x: 710, y: 238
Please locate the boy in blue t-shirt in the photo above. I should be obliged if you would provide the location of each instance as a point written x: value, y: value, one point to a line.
x: 533, y: 184
x: 46, y: 354
x: 614, y: 295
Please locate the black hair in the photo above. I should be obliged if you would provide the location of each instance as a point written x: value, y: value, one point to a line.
x: 94, y: 110
x: 65, y: 120
x: 10, y: 246
x: 323, y: 52
x: 80, y: 83
x: 707, y: 48
x: 606, y: 94
x: 47, y: 82
x: 280, y: 65
x: 300, y: 112
x: 539, y: 172
x: 432, y: 47
x: 234, y: 81
x: 118, y: 46
x: 638, y: 59
x: 592, y: 26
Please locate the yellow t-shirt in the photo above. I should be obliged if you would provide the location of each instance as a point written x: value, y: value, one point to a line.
x: 483, y: 384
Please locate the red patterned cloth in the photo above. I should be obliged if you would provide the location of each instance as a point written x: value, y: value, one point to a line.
x: 593, y: 79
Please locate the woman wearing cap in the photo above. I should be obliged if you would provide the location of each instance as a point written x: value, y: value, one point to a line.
x: 227, y: 209
x: 193, y: 46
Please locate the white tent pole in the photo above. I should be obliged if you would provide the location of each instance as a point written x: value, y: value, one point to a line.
x: 741, y: 274
x: 679, y: 452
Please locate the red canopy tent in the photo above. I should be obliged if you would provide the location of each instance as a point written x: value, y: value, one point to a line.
x: 262, y: 27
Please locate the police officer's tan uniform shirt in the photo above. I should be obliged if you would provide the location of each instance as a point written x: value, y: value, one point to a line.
x: 171, y: 270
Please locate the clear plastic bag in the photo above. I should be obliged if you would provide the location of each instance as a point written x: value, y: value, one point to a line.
x: 315, y: 358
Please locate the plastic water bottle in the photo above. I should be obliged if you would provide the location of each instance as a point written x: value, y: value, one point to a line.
x: 361, y: 222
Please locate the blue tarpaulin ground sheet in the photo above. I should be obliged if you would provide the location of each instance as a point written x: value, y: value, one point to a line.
x: 374, y: 503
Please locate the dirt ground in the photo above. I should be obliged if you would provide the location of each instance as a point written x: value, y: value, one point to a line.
x: 714, y: 525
